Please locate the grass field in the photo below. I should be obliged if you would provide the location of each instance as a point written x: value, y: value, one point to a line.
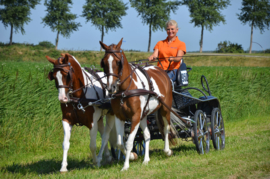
x: 31, y: 131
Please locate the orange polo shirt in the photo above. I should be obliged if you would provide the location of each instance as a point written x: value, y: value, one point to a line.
x: 166, y: 50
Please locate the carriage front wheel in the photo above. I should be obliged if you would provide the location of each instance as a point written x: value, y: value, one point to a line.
x: 201, y: 135
x: 217, y: 129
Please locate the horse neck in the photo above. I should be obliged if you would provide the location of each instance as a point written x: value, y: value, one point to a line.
x: 78, y: 80
x: 125, y: 74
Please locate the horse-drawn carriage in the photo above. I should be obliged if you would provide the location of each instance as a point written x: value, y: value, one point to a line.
x: 203, y: 115
x: 135, y: 94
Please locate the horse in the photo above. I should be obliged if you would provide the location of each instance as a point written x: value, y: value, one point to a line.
x: 77, y: 86
x: 136, y: 93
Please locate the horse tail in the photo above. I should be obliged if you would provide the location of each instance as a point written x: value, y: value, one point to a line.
x: 175, y: 126
x: 160, y: 124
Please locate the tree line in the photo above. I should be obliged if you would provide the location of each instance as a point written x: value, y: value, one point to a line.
x: 107, y: 15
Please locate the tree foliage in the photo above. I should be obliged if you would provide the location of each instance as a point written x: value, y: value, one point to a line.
x: 46, y: 44
x: 59, y: 18
x: 257, y: 14
x: 206, y: 14
x: 154, y: 13
x: 228, y: 47
x: 105, y: 14
x: 16, y: 13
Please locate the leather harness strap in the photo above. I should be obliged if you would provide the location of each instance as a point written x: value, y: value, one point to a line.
x: 138, y: 92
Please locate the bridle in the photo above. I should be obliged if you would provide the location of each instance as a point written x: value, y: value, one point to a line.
x: 121, y: 64
x: 69, y: 72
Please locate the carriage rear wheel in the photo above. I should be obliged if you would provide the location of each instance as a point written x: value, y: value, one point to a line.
x: 201, y: 134
x: 217, y: 129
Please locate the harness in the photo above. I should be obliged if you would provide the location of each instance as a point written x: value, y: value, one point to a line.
x: 135, y: 92
x: 101, y: 102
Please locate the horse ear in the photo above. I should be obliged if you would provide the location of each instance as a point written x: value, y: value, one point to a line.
x: 66, y: 57
x: 50, y: 59
x: 104, y: 46
x: 118, y: 46
x: 50, y: 76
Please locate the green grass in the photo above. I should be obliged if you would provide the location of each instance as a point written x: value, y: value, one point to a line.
x: 31, y: 131
x: 246, y: 155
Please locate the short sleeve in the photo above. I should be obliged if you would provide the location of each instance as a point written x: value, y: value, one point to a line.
x: 157, y: 45
x: 182, y: 46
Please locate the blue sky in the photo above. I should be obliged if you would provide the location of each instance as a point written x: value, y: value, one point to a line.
x: 136, y: 34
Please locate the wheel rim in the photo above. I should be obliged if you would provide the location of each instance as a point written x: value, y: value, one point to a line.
x: 202, y: 134
x: 219, y: 131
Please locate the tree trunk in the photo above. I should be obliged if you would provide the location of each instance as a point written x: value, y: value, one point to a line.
x: 102, y: 35
x: 11, y: 33
x: 149, y: 41
x: 56, y: 40
x: 201, y: 42
x: 251, y: 37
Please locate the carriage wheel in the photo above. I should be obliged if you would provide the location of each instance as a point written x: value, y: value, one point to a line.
x: 217, y: 129
x: 139, y: 147
x: 201, y: 134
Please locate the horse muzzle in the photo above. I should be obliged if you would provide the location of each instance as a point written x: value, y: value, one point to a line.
x: 63, y: 99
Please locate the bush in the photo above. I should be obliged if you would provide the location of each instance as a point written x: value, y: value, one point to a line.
x: 46, y: 44
x: 228, y: 47
x: 267, y: 51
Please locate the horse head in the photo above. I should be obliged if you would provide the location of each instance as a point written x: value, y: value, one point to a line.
x: 64, y: 75
x: 113, y: 64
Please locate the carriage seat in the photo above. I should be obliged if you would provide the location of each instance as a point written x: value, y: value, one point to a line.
x: 181, y: 76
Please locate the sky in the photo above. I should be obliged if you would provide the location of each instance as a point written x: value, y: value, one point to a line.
x: 135, y: 34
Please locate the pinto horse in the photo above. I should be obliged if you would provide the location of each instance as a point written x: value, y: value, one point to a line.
x: 136, y: 93
x: 75, y: 83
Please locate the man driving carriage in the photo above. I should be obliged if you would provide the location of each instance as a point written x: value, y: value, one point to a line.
x: 170, y: 51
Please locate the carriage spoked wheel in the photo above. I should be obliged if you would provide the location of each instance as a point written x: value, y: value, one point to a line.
x: 139, y: 147
x: 217, y: 129
x: 201, y: 135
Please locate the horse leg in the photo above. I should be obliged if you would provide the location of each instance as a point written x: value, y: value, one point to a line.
x: 120, y: 127
x: 166, y: 130
x: 129, y: 145
x: 67, y: 132
x: 105, y: 137
x: 93, y: 137
x: 146, y: 135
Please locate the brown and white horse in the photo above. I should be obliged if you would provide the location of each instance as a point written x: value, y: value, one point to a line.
x: 70, y: 76
x: 124, y: 80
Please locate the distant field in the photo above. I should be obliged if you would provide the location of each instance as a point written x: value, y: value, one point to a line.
x: 31, y: 131
x: 29, y: 53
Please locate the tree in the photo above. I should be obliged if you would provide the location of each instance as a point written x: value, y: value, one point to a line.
x: 228, y: 47
x: 59, y: 18
x: 154, y: 13
x: 104, y: 14
x: 257, y: 14
x: 16, y: 13
x: 206, y: 14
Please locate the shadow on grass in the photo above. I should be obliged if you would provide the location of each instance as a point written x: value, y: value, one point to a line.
x: 47, y: 167
x: 53, y: 166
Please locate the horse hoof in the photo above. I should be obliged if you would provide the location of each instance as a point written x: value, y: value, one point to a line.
x: 134, y: 157
x: 169, y: 153
x: 124, y: 169
x: 64, y: 169
x: 145, y: 162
